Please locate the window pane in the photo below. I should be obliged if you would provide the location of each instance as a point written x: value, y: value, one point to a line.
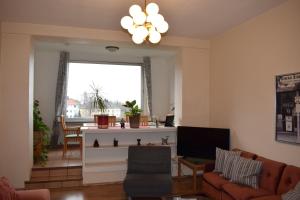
x: 117, y: 84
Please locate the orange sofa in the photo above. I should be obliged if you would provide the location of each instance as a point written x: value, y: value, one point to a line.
x: 276, y: 178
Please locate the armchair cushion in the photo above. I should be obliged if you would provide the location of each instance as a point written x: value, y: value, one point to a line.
x: 139, y: 185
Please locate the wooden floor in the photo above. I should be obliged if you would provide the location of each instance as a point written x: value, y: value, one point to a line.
x: 181, y: 186
x: 55, y: 159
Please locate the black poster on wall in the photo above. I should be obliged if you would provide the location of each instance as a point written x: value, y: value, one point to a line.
x: 288, y: 108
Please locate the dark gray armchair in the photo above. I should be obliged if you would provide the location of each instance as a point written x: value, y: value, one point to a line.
x: 149, y: 171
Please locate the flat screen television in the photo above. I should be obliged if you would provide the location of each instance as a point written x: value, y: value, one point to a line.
x: 199, y: 142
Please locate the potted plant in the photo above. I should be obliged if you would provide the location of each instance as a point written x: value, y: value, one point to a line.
x: 134, y: 113
x: 40, y: 136
x: 100, y: 103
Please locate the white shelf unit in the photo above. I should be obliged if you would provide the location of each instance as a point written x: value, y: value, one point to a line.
x: 107, y: 163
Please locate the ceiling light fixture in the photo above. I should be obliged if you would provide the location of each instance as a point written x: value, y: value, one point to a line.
x: 112, y: 48
x: 145, y: 24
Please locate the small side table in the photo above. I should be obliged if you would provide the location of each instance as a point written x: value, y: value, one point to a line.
x: 195, y: 166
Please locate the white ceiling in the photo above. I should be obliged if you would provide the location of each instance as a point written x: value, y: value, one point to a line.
x: 190, y: 18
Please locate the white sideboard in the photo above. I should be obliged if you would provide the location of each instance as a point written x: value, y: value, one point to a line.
x: 107, y: 163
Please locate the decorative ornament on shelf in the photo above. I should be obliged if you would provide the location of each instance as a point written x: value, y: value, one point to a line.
x: 96, y: 143
x: 145, y: 24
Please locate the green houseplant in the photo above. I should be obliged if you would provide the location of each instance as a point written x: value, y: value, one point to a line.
x: 134, y: 113
x: 99, y: 103
x: 40, y: 136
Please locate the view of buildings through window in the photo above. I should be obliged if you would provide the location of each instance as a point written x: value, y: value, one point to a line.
x: 116, y: 83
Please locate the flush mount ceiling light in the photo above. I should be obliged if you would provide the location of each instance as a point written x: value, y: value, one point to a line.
x: 145, y: 24
x: 112, y: 48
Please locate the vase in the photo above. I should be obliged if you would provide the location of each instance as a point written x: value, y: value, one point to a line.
x: 102, y: 121
x: 134, y: 121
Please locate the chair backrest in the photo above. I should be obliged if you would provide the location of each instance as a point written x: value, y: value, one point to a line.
x: 63, y: 122
x: 144, y: 120
x: 112, y: 120
x: 149, y: 159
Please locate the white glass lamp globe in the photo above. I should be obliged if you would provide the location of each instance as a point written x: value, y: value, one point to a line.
x: 163, y: 27
x: 154, y: 37
x: 149, y: 18
x: 134, y: 10
x: 152, y: 9
x: 139, y: 18
x: 141, y: 31
x: 131, y: 29
x: 126, y: 22
x: 137, y: 39
x: 156, y: 20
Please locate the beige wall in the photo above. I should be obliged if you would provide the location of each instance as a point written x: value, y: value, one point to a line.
x: 16, y: 108
x: 244, y: 62
x: 195, y: 87
x: 0, y: 76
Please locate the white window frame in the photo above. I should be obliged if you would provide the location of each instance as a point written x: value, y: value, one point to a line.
x: 90, y: 119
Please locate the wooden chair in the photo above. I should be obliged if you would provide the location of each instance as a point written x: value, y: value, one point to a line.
x: 112, y: 120
x: 71, y: 134
x: 144, y: 120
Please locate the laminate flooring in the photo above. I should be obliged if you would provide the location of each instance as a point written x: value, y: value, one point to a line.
x: 181, y: 186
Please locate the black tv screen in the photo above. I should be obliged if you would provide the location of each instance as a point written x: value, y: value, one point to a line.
x: 199, y: 142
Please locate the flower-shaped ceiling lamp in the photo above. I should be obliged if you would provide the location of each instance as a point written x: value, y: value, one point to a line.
x: 147, y: 24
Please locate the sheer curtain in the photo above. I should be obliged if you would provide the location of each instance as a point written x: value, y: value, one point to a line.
x: 146, y: 70
x: 61, y: 95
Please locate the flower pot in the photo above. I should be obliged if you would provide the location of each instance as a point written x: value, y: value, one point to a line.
x: 134, y: 121
x: 102, y: 121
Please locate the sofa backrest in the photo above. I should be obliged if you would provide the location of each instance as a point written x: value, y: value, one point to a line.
x: 246, y: 154
x: 290, y: 177
x: 270, y: 175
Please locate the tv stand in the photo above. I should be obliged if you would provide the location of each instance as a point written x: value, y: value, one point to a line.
x: 195, y: 164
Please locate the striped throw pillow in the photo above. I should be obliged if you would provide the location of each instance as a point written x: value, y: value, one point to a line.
x: 228, y: 165
x: 220, y: 157
x: 292, y: 194
x: 246, y: 172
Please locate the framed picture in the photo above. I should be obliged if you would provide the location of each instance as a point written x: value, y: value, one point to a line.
x: 288, y: 108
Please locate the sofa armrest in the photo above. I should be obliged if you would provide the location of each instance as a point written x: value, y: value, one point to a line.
x: 41, y: 194
x: 209, y: 167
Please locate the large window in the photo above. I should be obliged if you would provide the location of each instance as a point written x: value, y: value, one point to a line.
x: 117, y: 84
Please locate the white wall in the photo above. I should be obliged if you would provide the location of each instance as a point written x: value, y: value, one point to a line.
x: 163, y: 73
x: 244, y: 63
x: 16, y: 108
x: 45, y: 75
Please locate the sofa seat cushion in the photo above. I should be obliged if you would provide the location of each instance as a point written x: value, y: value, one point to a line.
x: 240, y: 192
x: 269, y: 197
x: 215, y: 179
x: 148, y: 185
